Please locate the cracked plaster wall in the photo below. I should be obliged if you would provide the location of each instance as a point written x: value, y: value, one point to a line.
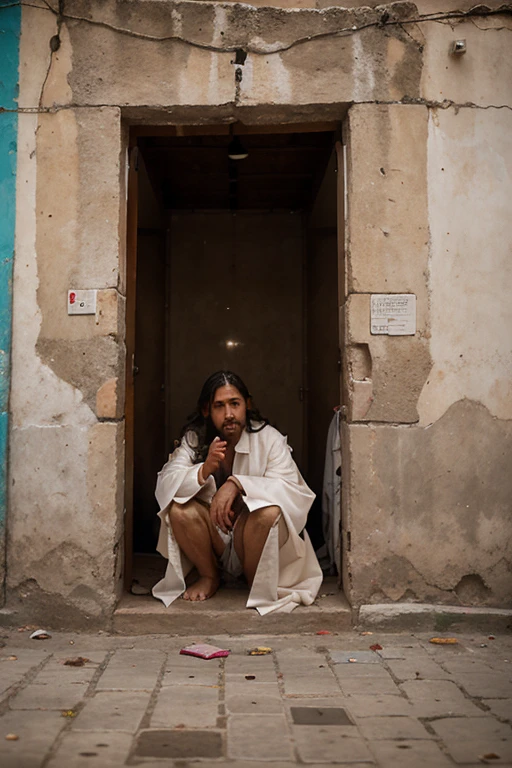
x: 436, y: 509
x: 414, y: 106
x: 427, y: 506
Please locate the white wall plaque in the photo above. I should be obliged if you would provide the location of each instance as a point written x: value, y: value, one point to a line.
x: 82, y: 302
x: 393, y: 314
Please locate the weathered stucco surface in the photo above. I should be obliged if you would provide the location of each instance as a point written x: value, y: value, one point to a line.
x: 428, y: 153
x: 66, y: 468
x: 430, y: 510
x: 427, y: 507
x: 387, y: 235
x: 182, y: 54
x: 481, y: 76
x: 65, y: 535
x: 470, y: 161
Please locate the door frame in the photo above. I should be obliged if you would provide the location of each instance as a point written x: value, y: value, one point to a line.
x: 136, y: 131
x: 129, y: 407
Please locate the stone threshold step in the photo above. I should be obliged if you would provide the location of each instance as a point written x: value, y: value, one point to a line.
x: 429, y: 617
x: 225, y: 613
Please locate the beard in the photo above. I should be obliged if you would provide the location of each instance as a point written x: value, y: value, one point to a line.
x: 231, y: 429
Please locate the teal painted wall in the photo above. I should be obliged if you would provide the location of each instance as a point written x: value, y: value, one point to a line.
x: 10, y: 27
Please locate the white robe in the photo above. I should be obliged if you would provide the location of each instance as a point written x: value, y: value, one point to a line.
x: 286, y: 576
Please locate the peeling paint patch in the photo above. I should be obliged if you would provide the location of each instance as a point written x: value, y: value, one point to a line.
x: 472, y: 590
x: 86, y: 364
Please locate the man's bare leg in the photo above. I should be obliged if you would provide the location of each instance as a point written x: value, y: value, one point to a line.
x: 251, y: 533
x: 201, y: 543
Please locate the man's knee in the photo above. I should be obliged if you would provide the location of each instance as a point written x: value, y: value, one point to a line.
x: 265, y: 517
x: 184, y: 514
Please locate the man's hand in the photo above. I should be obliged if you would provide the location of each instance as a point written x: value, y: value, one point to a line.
x: 216, y: 455
x: 221, y: 508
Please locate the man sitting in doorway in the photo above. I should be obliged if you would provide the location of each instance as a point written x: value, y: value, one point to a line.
x: 232, y: 498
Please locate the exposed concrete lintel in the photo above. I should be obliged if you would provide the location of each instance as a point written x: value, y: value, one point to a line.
x: 300, y: 25
x: 164, y: 27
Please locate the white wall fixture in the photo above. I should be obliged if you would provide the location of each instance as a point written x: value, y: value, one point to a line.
x: 82, y: 302
x: 393, y: 314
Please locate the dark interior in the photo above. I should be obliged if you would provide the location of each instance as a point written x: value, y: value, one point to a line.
x: 269, y: 224
x: 281, y: 172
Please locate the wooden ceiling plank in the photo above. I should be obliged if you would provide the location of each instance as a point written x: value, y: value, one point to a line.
x: 239, y: 129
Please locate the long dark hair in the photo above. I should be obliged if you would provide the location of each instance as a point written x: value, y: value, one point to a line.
x: 202, y: 426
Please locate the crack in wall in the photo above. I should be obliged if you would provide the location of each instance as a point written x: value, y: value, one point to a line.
x: 406, y: 102
x: 54, y: 45
x: 383, y: 16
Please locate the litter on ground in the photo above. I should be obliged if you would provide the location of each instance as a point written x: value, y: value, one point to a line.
x: 261, y: 650
x: 79, y: 661
x: 204, y: 651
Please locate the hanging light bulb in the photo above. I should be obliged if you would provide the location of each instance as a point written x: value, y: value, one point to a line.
x: 236, y: 150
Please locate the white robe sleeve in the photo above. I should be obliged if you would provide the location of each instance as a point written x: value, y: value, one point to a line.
x: 177, y: 481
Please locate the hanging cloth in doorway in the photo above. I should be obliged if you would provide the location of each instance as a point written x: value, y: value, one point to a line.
x: 330, y: 553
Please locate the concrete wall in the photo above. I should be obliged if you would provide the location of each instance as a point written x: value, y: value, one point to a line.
x: 66, y: 455
x: 428, y: 501
x: 426, y: 505
x: 237, y: 277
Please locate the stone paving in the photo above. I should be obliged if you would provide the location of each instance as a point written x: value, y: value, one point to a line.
x: 315, y: 700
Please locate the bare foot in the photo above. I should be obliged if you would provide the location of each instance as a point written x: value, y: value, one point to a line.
x: 202, y: 589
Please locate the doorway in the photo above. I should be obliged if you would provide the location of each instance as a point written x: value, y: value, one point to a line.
x: 237, y: 267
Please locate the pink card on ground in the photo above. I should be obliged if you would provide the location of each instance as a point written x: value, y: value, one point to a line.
x: 204, y: 651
